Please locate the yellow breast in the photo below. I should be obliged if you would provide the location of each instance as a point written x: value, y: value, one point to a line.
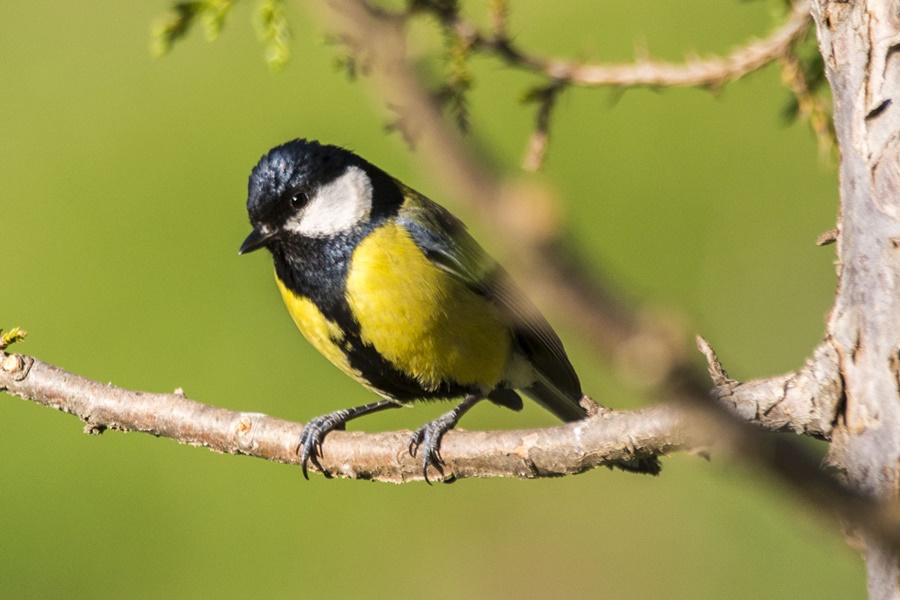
x: 323, y: 334
x: 424, y: 321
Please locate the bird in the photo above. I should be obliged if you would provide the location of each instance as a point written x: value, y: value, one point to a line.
x: 391, y: 288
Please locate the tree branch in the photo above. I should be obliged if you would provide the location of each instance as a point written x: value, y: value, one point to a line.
x: 712, y: 72
x: 805, y: 402
x: 607, y: 438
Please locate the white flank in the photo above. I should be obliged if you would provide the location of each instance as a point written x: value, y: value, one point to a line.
x: 336, y: 207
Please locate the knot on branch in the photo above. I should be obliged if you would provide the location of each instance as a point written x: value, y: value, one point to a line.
x: 805, y: 402
x: 16, y: 365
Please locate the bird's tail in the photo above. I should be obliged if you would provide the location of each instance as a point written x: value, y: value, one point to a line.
x: 560, y: 404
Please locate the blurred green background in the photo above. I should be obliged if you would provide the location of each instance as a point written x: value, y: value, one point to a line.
x: 122, y: 189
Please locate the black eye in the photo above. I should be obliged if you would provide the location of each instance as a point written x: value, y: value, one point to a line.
x: 299, y: 199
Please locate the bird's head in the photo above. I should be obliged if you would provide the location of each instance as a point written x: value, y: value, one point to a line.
x: 308, y: 189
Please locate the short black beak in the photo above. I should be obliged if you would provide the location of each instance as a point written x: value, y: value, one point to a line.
x: 258, y: 238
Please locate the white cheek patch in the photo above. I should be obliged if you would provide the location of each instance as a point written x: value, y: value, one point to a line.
x: 336, y: 207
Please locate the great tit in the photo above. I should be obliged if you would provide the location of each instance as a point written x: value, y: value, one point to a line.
x: 390, y: 287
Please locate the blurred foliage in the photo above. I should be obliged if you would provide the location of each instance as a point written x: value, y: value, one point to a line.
x: 804, y: 73
x: 126, y: 177
x: 272, y: 27
x: 182, y: 17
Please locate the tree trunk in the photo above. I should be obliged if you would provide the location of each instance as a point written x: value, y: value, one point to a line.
x: 860, y: 43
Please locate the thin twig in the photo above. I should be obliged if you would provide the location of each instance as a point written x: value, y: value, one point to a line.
x: 712, y: 72
x: 540, y: 137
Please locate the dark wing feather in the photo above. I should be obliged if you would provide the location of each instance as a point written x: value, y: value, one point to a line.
x: 535, y: 336
x: 443, y: 238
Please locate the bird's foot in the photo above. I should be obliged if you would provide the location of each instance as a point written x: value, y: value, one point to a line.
x: 426, y: 442
x: 314, y: 432
x: 427, y: 438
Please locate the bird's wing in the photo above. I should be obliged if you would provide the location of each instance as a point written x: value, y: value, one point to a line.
x: 445, y: 241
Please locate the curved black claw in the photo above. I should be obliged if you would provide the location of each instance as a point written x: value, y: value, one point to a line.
x: 428, y: 439
x: 428, y: 436
x: 314, y: 432
x: 310, y: 448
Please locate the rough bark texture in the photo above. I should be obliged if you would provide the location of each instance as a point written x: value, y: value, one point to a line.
x: 860, y: 42
x: 805, y: 402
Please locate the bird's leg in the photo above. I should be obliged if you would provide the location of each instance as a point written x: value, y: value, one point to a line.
x: 428, y: 437
x: 315, y: 430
